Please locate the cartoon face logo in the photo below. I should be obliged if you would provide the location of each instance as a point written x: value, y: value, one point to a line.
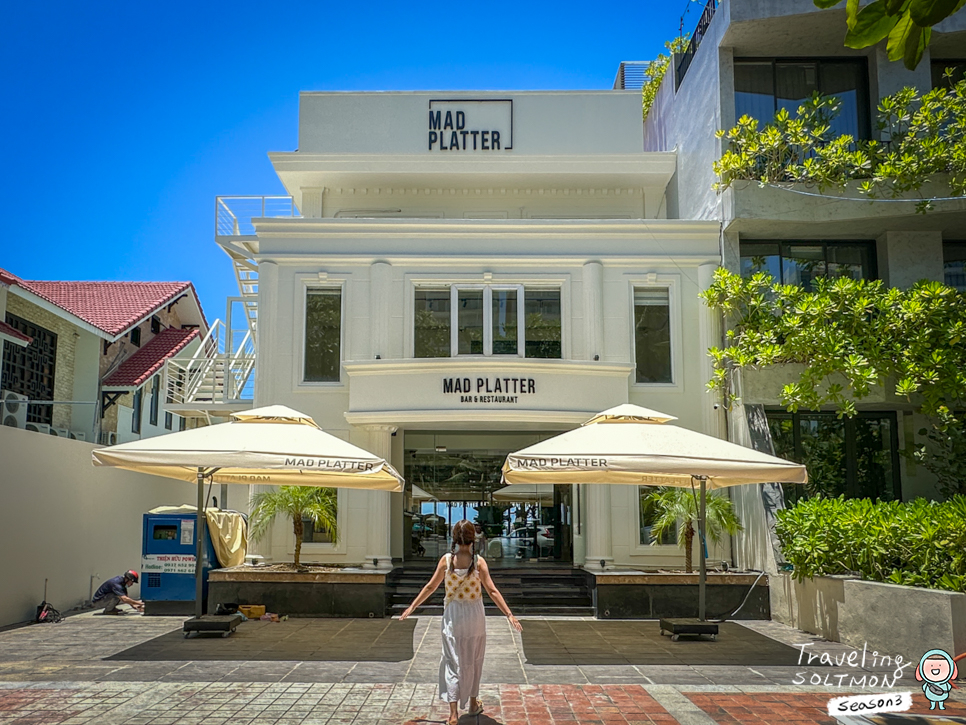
x: 935, y: 670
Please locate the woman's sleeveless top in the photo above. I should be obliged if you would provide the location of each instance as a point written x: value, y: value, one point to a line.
x: 461, y: 584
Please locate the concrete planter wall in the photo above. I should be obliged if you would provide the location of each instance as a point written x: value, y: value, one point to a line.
x: 634, y: 595
x: 343, y: 594
x: 889, y: 618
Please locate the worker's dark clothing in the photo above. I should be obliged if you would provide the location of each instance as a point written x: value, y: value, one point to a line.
x: 108, y: 594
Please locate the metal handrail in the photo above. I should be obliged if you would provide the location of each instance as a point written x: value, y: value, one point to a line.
x: 692, y: 47
x: 631, y: 74
x: 214, y: 372
x: 234, y: 214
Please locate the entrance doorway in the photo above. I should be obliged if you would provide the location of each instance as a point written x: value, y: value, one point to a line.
x: 456, y: 475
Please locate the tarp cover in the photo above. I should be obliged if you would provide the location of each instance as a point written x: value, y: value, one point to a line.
x: 229, y: 536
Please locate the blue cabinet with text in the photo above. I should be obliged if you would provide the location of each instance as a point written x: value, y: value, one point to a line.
x: 168, y: 563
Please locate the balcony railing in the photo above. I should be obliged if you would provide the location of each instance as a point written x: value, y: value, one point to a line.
x: 220, y: 371
x: 234, y: 214
x: 631, y: 74
x: 684, y: 62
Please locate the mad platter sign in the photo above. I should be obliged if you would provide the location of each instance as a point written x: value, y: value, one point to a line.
x: 471, y: 125
x: 506, y: 390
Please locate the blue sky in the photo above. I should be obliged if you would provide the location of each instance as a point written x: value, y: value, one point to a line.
x: 122, y: 122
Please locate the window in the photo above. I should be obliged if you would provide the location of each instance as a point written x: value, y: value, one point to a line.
x: 764, y: 86
x: 800, y: 263
x: 181, y: 423
x: 155, y: 395
x: 939, y: 72
x: 323, y: 335
x: 432, y: 323
x: 954, y: 264
x: 136, y: 416
x: 857, y: 457
x: 168, y: 420
x: 649, y: 516
x: 509, y: 320
x: 30, y: 370
x: 136, y: 337
x: 155, y: 325
x: 652, y: 335
x: 313, y: 535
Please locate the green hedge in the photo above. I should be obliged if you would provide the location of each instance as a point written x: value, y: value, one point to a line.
x: 920, y: 544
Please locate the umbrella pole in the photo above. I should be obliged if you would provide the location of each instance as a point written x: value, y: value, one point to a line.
x: 199, y: 537
x: 702, y: 569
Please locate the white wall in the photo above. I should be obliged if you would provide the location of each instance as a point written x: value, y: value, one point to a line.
x: 65, y: 520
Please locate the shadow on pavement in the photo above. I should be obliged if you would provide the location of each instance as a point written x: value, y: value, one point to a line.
x: 308, y: 640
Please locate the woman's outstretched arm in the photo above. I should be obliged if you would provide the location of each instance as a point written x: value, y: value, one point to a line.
x: 495, y: 594
x: 428, y: 590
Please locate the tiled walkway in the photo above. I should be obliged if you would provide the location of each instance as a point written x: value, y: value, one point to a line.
x: 107, y: 670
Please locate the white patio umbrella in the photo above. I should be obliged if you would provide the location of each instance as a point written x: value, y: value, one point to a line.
x: 525, y: 492
x: 274, y: 445
x: 419, y: 495
x: 631, y: 445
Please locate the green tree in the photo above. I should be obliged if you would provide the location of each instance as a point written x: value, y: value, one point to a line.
x: 297, y: 503
x: 920, y: 138
x: 680, y: 505
x: 906, y: 25
x: 849, y: 336
x: 657, y: 69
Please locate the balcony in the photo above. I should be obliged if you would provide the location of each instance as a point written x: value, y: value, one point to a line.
x: 631, y: 75
x: 234, y: 214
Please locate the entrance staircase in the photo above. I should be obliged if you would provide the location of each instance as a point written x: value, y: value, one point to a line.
x: 544, y: 592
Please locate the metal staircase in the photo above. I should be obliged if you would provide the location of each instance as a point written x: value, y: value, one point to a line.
x: 219, y: 377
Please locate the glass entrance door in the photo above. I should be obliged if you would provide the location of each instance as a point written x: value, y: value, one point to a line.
x: 453, y: 476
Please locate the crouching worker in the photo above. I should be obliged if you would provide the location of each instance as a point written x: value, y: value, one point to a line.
x: 114, y: 592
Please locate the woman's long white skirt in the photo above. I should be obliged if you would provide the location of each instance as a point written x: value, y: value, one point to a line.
x: 464, y: 644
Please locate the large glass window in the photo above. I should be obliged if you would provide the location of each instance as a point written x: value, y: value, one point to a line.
x: 954, y: 264
x: 652, y: 335
x: 856, y: 457
x: 432, y: 323
x: 487, y: 320
x: 801, y: 263
x: 765, y: 85
x: 323, y: 335
x: 542, y: 313
x: 938, y: 69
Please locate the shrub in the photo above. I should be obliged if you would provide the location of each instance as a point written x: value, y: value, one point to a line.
x: 920, y: 543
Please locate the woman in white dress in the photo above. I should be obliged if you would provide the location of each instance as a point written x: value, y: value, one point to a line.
x: 464, y: 624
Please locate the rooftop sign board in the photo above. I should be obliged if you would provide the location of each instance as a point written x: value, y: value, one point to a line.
x: 471, y: 125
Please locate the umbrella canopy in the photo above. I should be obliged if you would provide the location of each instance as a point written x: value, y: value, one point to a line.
x: 524, y: 492
x: 631, y: 445
x: 621, y: 446
x: 274, y: 445
x: 421, y: 495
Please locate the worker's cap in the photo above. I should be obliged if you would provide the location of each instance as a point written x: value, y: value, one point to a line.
x: 132, y: 575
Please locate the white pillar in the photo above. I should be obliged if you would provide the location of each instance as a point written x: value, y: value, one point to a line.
x: 709, y: 335
x: 380, y: 282
x: 593, y: 283
x: 599, y: 527
x: 377, y: 539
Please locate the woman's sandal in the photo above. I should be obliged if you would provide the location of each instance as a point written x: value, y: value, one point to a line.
x: 453, y: 720
x: 478, y: 711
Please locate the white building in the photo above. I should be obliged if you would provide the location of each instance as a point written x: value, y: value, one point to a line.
x: 458, y: 275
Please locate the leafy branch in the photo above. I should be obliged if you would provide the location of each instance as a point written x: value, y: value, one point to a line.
x: 656, y: 70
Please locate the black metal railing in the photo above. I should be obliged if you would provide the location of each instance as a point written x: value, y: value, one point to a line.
x: 685, y: 61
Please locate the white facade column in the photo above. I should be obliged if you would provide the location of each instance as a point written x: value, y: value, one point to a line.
x: 593, y: 284
x: 265, y: 340
x: 709, y: 335
x: 377, y: 539
x: 599, y: 526
x: 380, y: 282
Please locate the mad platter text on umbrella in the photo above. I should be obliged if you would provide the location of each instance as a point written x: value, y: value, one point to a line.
x: 330, y: 464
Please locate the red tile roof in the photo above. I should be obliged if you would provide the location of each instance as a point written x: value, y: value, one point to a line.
x: 112, y: 307
x: 13, y: 332
x: 144, y: 363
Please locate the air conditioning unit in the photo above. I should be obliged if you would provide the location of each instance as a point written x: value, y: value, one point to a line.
x: 38, y: 428
x: 13, y: 409
x: 78, y: 435
x: 108, y: 438
x: 60, y: 432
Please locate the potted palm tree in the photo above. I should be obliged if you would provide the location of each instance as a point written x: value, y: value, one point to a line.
x: 674, y: 505
x: 299, y: 503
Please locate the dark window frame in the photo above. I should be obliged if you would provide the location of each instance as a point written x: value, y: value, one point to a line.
x: 672, y: 380
x: 155, y: 400
x: 168, y: 420
x: 793, y: 492
x: 947, y: 246
x: 31, y: 370
x: 135, y: 336
x: 324, y: 290
x: 863, y: 101
x: 869, y: 244
x: 138, y: 404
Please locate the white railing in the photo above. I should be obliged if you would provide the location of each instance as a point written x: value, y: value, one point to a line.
x: 234, y: 214
x: 219, y: 371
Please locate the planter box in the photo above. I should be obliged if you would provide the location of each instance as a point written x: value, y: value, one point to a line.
x: 638, y: 595
x: 348, y: 593
x: 890, y: 618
